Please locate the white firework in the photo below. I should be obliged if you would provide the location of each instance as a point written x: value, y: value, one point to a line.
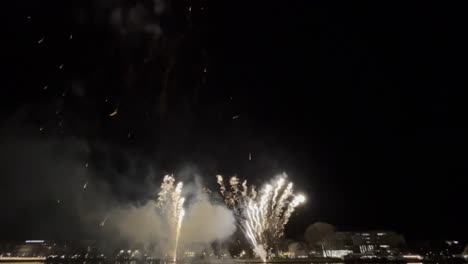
x: 180, y: 217
x: 170, y: 204
x: 262, y: 218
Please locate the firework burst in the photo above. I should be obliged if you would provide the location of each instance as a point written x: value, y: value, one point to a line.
x: 262, y: 217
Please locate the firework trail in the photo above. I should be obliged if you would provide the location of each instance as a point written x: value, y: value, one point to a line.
x: 262, y: 217
x: 179, y: 225
x: 170, y: 204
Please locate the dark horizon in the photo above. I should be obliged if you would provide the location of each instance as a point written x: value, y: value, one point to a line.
x: 361, y: 104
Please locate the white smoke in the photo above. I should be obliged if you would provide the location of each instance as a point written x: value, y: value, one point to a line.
x: 155, y: 225
x: 141, y: 226
x: 138, y: 18
x: 206, y: 222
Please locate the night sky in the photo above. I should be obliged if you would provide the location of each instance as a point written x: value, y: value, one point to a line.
x: 362, y: 104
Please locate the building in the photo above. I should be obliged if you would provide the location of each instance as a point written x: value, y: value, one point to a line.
x: 49, y: 249
x: 370, y: 241
x: 341, y: 244
x: 338, y: 245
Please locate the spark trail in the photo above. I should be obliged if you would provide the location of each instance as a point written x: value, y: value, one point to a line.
x: 262, y: 217
x: 170, y: 204
x: 179, y: 225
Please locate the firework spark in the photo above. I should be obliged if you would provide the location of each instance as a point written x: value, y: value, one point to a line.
x: 261, y: 218
x: 170, y: 204
x: 103, y: 222
x: 179, y: 225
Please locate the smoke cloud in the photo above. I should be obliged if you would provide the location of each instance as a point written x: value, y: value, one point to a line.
x: 59, y: 193
x: 206, y: 222
x: 145, y: 226
x: 140, y: 226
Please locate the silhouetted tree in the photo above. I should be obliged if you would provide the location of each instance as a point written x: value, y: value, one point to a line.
x: 317, y: 232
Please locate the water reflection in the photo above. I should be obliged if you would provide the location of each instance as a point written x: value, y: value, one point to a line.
x: 179, y: 262
x: 218, y: 261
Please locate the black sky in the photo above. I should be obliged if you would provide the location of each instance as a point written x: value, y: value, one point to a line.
x: 362, y: 104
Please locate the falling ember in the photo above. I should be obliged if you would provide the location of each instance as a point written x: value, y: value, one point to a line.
x: 61, y: 66
x: 103, y: 222
x: 41, y: 40
x: 236, y: 116
x: 116, y: 111
x: 85, y: 185
x: 262, y: 218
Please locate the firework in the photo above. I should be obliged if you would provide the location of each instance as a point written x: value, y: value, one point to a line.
x: 179, y: 225
x: 170, y: 204
x: 262, y: 217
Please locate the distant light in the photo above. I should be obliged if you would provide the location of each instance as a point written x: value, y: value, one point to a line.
x: 412, y: 256
x: 34, y: 241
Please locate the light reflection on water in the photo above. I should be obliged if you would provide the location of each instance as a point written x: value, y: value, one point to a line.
x: 163, y: 262
x: 227, y: 261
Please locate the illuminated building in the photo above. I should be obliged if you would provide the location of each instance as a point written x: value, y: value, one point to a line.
x: 369, y: 241
x: 341, y: 244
